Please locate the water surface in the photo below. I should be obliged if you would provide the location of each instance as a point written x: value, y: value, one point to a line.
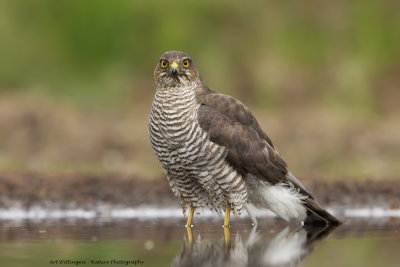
x: 165, y: 242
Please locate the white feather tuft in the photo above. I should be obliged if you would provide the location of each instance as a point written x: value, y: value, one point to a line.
x: 285, y: 201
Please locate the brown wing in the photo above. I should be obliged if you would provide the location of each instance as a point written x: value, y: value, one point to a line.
x: 230, y: 123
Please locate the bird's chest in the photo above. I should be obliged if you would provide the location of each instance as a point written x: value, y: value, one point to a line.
x: 176, y: 126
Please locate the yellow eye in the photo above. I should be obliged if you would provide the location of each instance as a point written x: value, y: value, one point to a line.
x: 164, y: 64
x: 185, y: 63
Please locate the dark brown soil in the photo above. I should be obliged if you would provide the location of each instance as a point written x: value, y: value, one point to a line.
x: 28, y: 189
x: 82, y: 190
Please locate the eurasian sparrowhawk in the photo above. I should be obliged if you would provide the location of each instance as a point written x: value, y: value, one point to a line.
x: 215, y: 153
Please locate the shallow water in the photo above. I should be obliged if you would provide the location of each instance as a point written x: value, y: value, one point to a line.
x: 165, y: 241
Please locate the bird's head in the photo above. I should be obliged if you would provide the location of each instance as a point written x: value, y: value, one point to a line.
x: 175, y: 69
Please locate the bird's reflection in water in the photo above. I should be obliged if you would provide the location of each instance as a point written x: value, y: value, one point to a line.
x: 289, y: 247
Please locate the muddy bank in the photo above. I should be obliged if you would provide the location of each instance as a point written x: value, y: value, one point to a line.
x: 82, y: 190
x: 68, y: 191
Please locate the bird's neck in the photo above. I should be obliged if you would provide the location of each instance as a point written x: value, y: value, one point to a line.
x: 176, y: 93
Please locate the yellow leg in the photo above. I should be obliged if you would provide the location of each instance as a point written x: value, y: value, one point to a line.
x: 226, y: 226
x: 227, y: 236
x: 190, y: 235
x: 227, y: 216
x: 190, y: 218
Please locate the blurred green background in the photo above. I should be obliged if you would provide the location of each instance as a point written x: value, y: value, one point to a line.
x: 323, y: 78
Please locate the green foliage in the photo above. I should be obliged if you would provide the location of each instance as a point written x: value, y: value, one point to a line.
x: 100, y: 50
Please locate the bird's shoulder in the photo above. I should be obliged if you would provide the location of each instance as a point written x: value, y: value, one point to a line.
x: 225, y: 109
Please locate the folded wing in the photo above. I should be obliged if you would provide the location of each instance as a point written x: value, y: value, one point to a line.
x: 230, y: 123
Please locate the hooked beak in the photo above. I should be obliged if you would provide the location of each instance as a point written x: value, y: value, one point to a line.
x: 174, y: 68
